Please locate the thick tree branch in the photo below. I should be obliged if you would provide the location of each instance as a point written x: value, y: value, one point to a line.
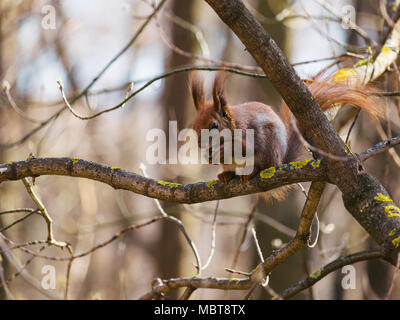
x: 301, y: 171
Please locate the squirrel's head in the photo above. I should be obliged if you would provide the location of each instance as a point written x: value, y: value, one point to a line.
x: 213, y: 114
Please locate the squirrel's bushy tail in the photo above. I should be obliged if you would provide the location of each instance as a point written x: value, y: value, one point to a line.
x: 329, y: 94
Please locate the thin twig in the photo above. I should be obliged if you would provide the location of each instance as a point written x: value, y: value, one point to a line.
x: 245, y: 227
x: 213, y: 237
x: 116, y: 236
x: 278, y: 226
x: 180, y: 225
x: 190, y: 55
x: 247, y: 274
x: 41, y: 208
x: 163, y: 286
x: 67, y: 277
x: 24, y: 274
x: 385, y: 94
x: 192, y: 28
x: 348, y: 22
x: 18, y: 221
x: 260, y: 254
x: 24, y: 266
x: 392, y: 283
x: 3, y: 282
x: 324, y: 271
x: 315, y: 149
x: 384, y: 13
x: 148, y: 83
x: 379, y: 148
x: 17, y: 210
x: 14, y: 106
x: 302, y: 236
x: 352, y: 126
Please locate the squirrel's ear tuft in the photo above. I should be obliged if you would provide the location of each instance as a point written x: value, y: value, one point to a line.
x: 196, y: 85
x: 219, y: 92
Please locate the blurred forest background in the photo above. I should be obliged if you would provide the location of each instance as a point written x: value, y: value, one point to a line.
x: 86, y: 37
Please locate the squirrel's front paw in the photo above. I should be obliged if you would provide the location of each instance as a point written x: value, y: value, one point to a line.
x: 226, y: 176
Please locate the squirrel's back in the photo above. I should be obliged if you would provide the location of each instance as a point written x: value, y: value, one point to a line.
x: 270, y: 133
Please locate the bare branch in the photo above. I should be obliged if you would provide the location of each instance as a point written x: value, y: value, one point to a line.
x: 18, y: 221
x: 213, y: 237
x: 307, y: 170
x: 301, y: 239
x: 348, y: 22
x: 180, y: 226
x: 148, y: 83
x: 42, y: 209
x: 324, y: 271
x: 24, y: 274
x: 163, y: 286
x: 379, y: 148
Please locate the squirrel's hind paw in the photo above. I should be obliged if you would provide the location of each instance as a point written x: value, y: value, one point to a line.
x: 246, y: 178
x: 226, y: 176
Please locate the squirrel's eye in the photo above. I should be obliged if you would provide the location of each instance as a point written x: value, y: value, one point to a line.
x: 225, y: 115
x: 214, y: 125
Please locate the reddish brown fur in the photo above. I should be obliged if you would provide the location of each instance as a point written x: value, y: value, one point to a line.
x: 275, y: 140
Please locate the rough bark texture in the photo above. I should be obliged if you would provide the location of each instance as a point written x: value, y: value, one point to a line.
x: 183, y: 193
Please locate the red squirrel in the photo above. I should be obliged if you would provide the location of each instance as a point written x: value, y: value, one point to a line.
x: 276, y: 140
